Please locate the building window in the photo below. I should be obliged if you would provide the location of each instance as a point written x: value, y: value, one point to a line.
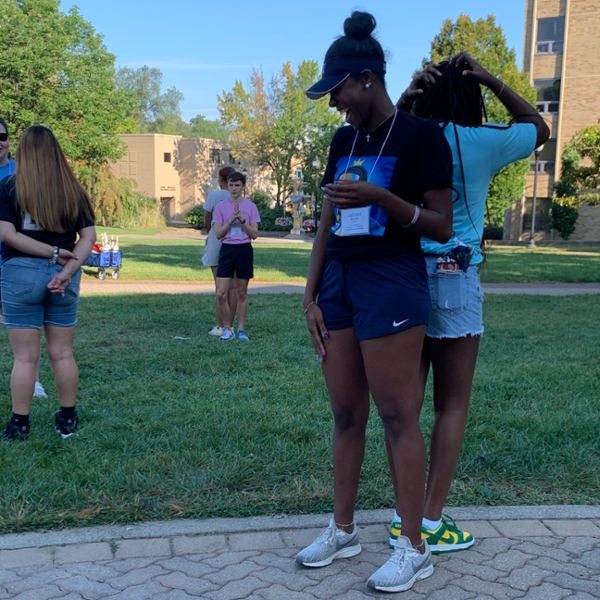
x: 548, y: 95
x: 543, y: 218
x: 215, y: 156
x: 167, y: 157
x: 546, y: 159
x: 232, y: 160
x: 550, y: 35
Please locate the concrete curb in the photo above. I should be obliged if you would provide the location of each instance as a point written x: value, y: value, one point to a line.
x: 212, y: 526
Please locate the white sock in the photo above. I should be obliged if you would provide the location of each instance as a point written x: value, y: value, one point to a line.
x: 432, y: 525
x: 397, y: 517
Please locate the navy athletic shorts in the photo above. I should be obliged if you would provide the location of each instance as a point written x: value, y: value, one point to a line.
x: 377, y: 297
x: 236, y: 259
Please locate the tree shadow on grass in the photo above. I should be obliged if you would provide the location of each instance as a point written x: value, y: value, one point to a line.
x: 289, y: 260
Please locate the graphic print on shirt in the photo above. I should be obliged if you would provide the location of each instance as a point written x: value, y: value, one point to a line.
x: 29, y: 224
x: 366, y: 168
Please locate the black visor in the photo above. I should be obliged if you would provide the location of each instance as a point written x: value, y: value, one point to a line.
x: 337, y: 71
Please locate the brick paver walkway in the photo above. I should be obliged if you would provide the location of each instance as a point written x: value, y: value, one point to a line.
x: 545, y: 553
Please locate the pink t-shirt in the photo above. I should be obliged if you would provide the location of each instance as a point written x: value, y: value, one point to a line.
x: 224, y: 211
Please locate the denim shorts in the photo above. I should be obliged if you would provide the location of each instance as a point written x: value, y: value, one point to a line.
x: 27, y: 303
x: 456, y: 302
x: 376, y: 297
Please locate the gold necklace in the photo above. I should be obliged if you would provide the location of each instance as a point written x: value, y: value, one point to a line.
x: 368, y: 135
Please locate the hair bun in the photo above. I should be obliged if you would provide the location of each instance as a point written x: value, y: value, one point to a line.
x: 359, y: 25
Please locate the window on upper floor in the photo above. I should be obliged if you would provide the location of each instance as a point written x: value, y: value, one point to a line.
x: 546, y: 159
x: 215, y: 156
x: 167, y: 157
x: 548, y: 95
x: 550, y: 35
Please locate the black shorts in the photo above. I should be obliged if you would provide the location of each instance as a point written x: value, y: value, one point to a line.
x: 236, y: 259
x: 376, y: 297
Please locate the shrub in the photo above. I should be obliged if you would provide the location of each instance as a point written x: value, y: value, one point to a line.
x: 564, y: 218
x: 195, y: 217
x: 493, y: 232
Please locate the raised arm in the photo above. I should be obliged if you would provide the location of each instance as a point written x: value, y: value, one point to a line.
x: 518, y: 107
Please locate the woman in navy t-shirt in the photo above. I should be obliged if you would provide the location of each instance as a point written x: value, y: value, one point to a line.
x: 387, y: 182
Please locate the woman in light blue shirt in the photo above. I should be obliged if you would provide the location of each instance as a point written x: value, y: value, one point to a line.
x: 450, y: 93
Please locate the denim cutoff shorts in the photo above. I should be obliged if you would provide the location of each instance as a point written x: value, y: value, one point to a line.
x: 27, y: 303
x: 456, y: 302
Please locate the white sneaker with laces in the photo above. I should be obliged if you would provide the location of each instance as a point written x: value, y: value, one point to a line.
x: 216, y: 330
x: 403, y: 569
x: 39, y: 391
x: 331, y: 544
x: 227, y: 335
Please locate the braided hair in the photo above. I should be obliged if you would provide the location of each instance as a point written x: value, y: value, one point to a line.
x: 453, y: 98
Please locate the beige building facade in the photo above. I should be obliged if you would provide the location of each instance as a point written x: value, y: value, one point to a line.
x: 560, y: 54
x: 180, y: 172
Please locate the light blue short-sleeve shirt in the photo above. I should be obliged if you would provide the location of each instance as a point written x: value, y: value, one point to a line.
x: 484, y: 151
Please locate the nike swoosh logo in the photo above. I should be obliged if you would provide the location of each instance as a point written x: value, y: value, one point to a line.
x: 401, y: 322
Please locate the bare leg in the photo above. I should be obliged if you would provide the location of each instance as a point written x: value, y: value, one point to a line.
x: 25, y: 345
x: 59, y: 342
x: 349, y: 396
x: 423, y: 373
x: 392, y: 368
x: 242, y: 302
x: 217, y: 307
x: 453, y: 362
x: 222, y: 301
x: 233, y: 301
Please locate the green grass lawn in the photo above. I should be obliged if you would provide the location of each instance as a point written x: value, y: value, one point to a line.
x: 154, y: 259
x: 197, y: 428
x: 181, y: 260
x: 511, y: 264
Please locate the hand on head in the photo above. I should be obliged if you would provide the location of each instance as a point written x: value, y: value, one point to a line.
x: 420, y: 82
x: 474, y: 70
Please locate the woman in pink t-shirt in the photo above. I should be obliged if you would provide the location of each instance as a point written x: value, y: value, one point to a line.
x: 236, y: 222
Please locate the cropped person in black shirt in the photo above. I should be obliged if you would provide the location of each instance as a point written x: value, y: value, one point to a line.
x: 388, y: 181
x: 47, y: 232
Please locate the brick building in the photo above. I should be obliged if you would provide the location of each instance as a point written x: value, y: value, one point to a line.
x: 180, y: 171
x: 560, y: 53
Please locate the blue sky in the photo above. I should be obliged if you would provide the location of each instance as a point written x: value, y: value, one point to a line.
x: 202, y: 47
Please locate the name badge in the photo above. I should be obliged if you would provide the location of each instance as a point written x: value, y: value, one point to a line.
x: 355, y: 221
x: 236, y: 231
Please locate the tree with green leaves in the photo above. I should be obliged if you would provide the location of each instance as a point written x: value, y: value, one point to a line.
x: 211, y: 129
x: 485, y: 41
x: 153, y: 110
x: 56, y: 70
x: 579, y: 181
x: 276, y: 127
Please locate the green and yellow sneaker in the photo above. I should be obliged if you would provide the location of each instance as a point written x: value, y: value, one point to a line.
x: 395, y: 531
x: 447, y: 537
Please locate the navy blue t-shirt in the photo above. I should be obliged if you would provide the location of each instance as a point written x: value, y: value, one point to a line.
x: 416, y: 158
x: 11, y: 211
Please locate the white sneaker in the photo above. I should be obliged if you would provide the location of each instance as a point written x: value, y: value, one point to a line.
x: 405, y: 566
x: 216, y: 330
x: 39, y: 391
x: 227, y: 335
x: 331, y: 544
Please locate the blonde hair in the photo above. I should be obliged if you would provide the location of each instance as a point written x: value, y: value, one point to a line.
x: 47, y: 188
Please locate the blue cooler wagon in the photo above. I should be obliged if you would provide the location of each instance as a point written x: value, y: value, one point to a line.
x: 103, y: 261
